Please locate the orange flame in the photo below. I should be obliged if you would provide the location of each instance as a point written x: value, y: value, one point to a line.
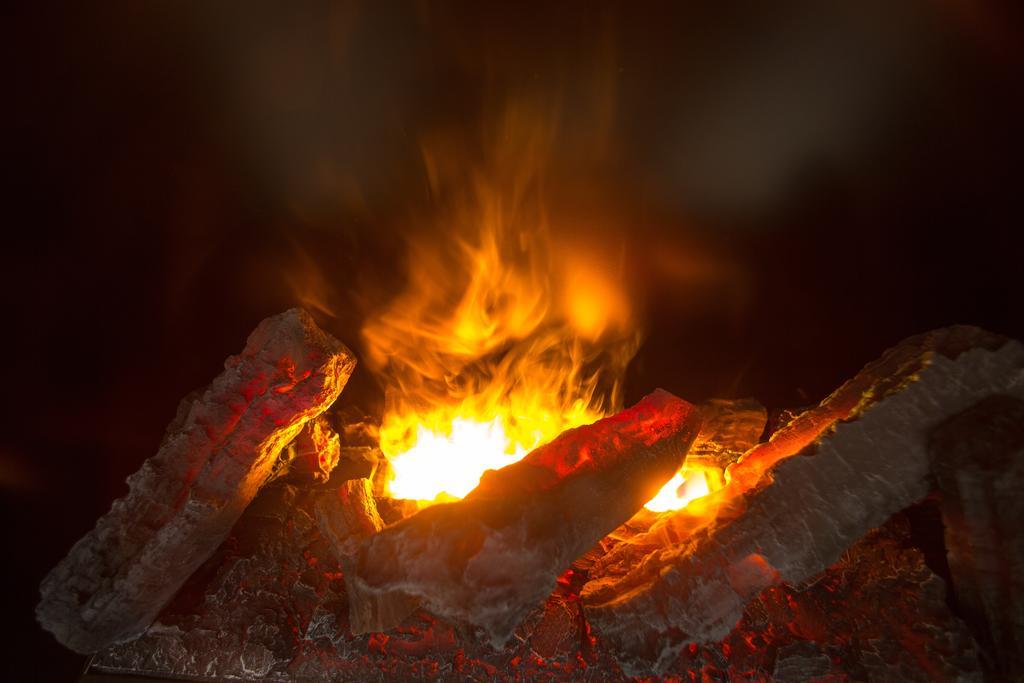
x: 504, y: 336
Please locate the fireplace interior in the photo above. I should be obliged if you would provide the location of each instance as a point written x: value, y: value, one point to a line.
x: 564, y: 341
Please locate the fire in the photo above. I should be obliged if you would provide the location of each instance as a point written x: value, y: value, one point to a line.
x: 689, y: 484
x: 447, y: 456
x: 507, y: 365
x: 502, y: 370
x: 507, y: 332
x: 416, y: 470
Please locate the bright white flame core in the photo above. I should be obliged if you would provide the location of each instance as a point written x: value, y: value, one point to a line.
x: 677, y: 493
x: 445, y: 465
x: 455, y: 461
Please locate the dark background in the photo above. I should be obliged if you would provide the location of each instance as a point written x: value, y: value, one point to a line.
x: 796, y: 187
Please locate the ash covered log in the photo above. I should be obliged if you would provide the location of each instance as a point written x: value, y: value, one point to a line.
x: 270, y: 605
x: 861, y: 456
x: 876, y: 379
x: 254, y: 609
x: 222, y: 446
x: 978, y: 460
x: 345, y: 509
x: 315, y: 452
x: 729, y: 428
x: 346, y: 516
x: 491, y: 558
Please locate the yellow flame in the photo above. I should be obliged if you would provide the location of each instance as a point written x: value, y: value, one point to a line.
x: 505, y: 335
x: 689, y: 484
x: 449, y: 456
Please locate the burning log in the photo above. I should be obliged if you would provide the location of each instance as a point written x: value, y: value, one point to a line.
x: 863, y: 455
x: 978, y: 460
x: 271, y: 604
x: 492, y: 557
x: 875, y: 380
x: 315, y: 452
x: 222, y: 446
x: 347, y: 516
x: 253, y: 610
x: 730, y: 428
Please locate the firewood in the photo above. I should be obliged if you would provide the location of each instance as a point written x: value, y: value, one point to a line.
x: 491, y: 558
x: 825, y: 480
x: 315, y: 452
x: 978, y: 461
x: 347, y: 515
x: 730, y: 428
x: 220, y: 449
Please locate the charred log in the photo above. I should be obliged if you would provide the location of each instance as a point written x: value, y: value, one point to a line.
x: 491, y: 558
x: 978, y: 460
x: 315, y: 452
x: 221, y: 448
x: 861, y: 456
x: 270, y: 605
x: 874, y: 381
x: 730, y: 428
x: 347, y: 515
x: 273, y: 583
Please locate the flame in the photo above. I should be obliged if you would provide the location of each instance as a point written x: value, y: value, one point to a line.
x: 691, y: 483
x: 505, y: 334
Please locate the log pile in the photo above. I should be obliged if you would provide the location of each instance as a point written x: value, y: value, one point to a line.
x: 490, y: 558
x: 222, y: 447
x: 860, y: 457
x: 271, y: 604
x: 803, y: 566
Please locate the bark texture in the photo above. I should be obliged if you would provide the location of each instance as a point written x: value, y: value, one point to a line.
x: 221, y: 448
x: 730, y: 428
x: 270, y: 605
x: 315, y: 452
x: 800, y: 500
x: 491, y: 558
x: 978, y: 460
